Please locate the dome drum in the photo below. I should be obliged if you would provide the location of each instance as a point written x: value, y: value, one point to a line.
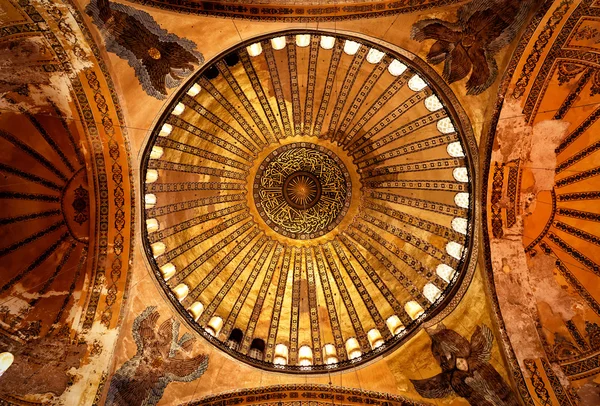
x: 258, y: 200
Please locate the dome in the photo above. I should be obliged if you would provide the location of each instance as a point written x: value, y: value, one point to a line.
x: 307, y: 188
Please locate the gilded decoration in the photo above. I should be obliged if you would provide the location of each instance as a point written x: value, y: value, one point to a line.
x: 302, y: 190
x: 541, y: 187
x: 301, y: 229
x: 65, y: 176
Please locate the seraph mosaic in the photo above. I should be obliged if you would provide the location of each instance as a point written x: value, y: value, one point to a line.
x: 482, y: 29
x: 160, y: 59
x: 161, y: 358
x: 466, y: 370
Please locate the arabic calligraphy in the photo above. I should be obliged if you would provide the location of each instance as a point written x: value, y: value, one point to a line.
x: 302, y: 190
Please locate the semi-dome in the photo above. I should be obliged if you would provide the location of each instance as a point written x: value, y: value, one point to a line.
x: 308, y: 200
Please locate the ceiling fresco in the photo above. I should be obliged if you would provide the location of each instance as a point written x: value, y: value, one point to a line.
x: 64, y: 178
x: 543, y: 209
x: 265, y: 202
x: 316, y: 227
x: 296, y: 11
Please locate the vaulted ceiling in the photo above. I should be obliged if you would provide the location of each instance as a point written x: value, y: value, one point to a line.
x: 299, y: 202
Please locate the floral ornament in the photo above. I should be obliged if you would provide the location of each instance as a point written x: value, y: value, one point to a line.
x: 466, y: 370
x: 160, y: 59
x: 482, y: 29
x: 161, y: 358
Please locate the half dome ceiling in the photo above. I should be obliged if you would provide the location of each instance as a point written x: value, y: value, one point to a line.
x: 308, y: 201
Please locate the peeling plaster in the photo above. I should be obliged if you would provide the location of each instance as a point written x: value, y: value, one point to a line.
x: 546, y: 136
x: 88, y: 375
x: 546, y: 289
x: 519, y: 308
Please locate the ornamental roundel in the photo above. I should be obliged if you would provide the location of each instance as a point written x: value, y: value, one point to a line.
x: 308, y: 200
x: 302, y: 190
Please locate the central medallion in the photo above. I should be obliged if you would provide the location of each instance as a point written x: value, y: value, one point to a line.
x: 302, y: 190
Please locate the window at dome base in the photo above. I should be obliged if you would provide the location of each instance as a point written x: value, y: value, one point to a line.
x: 302, y: 230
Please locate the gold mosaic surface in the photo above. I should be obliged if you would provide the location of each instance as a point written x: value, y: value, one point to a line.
x: 306, y: 196
x: 302, y: 190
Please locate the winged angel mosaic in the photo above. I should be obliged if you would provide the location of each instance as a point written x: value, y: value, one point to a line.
x: 482, y: 29
x: 160, y: 59
x: 161, y: 358
x: 466, y: 370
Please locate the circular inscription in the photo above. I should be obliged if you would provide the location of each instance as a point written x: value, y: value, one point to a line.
x: 302, y: 190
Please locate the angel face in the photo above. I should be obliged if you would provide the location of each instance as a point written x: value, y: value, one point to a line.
x: 462, y: 364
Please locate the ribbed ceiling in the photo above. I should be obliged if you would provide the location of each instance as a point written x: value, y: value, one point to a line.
x: 307, y: 201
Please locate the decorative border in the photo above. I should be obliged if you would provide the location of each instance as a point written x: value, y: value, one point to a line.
x: 258, y: 11
x: 295, y: 392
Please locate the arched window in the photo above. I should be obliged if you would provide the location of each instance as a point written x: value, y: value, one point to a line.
x: 278, y: 43
x: 445, y: 126
x: 6, y: 360
x: 396, y: 68
x: 353, y: 348
x: 375, y: 55
x: 166, y: 129
x: 149, y: 200
x: 454, y: 249
x: 281, y: 354
x: 181, y: 291
x: 375, y: 338
x: 432, y: 103
x: 330, y: 354
x: 455, y: 150
x: 254, y: 49
x: 327, y: 42
x: 461, y: 174
x: 445, y: 272
x: 257, y: 349
x: 413, y: 309
x: 235, y: 339
x: 462, y: 200
x: 180, y: 108
x: 194, y: 90
x: 167, y: 271
x: 416, y: 83
x: 151, y: 225
x: 459, y: 225
x: 214, y: 326
x: 431, y: 292
x: 303, y: 40
x: 351, y: 47
x: 158, y: 248
x: 157, y: 152
x: 305, y: 356
x: 395, y: 324
x: 196, y: 310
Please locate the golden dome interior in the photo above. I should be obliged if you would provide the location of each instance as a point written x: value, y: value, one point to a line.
x: 262, y: 202
x: 384, y: 237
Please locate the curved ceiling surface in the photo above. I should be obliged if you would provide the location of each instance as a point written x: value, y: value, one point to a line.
x: 308, y: 201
